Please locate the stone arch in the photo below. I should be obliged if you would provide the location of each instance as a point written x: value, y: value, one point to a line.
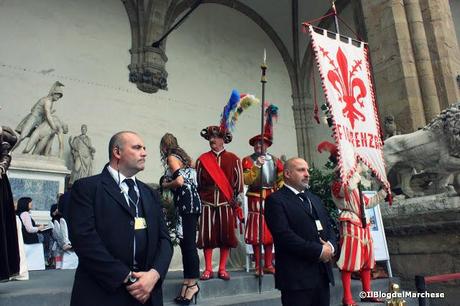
x: 175, y: 11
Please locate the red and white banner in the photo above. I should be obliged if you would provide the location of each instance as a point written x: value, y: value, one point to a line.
x: 345, y: 75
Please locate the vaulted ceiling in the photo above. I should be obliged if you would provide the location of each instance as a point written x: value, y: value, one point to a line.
x: 281, y: 20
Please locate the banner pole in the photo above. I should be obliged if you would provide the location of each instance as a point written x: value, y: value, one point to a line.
x: 336, y: 21
x: 263, y: 80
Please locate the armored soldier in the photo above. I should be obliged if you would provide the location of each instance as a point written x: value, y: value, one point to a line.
x: 271, y: 169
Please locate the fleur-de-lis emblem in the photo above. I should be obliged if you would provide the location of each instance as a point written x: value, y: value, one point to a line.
x: 345, y: 82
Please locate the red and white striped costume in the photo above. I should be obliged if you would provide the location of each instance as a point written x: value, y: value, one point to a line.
x: 357, y: 251
x: 251, y: 175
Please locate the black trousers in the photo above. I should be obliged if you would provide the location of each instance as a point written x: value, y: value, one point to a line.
x: 190, y: 260
x: 319, y: 296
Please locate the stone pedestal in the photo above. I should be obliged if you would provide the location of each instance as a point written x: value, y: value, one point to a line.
x: 38, y: 177
x: 423, y: 236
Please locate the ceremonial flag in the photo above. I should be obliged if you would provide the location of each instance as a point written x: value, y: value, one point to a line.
x: 346, y: 81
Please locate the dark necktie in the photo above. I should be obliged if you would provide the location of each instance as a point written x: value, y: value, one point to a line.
x: 132, y: 194
x: 313, y: 212
x: 140, y: 235
x: 306, y: 201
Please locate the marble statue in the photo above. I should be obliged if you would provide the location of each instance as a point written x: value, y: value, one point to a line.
x: 432, y: 153
x: 42, y: 111
x: 83, y: 155
x: 42, y: 137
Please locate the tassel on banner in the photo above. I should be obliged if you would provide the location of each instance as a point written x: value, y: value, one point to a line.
x: 315, y: 99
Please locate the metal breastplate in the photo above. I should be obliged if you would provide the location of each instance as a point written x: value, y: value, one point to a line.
x: 268, y: 173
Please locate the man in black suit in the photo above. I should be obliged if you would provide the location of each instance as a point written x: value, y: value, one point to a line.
x: 304, y: 240
x: 118, y: 232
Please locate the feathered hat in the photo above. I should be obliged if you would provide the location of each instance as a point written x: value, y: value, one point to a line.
x: 271, y: 113
x: 232, y: 110
x: 331, y: 148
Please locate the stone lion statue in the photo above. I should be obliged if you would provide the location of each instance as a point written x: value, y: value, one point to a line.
x: 425, y: 161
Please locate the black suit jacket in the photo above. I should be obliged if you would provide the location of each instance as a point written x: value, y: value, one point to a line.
x: 296, y: 240
x: 102, y: 231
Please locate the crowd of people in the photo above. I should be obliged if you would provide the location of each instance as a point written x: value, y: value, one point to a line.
x: 118, y: 230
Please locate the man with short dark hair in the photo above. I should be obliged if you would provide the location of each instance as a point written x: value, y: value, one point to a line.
x: 118, y: 232
x: 304, y: 240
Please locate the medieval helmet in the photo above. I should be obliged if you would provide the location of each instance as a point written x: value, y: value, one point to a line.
x: 57, y: 88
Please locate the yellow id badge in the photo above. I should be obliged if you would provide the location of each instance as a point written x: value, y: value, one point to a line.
x: 139, y: 223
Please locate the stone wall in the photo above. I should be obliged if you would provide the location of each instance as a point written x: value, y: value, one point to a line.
x: 85, y: 45
x: 423, y: 236
x: 415, y: 56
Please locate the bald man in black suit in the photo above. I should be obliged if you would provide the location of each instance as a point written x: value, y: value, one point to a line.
x: 304, y: 239
x: 118, y: 232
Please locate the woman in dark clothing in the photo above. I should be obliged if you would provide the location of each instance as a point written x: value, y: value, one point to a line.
x: 32, y: 233
x: 9, y: 249
x: 180, y: 177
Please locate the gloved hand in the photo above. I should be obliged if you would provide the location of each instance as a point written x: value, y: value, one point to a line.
x: 239, y: 213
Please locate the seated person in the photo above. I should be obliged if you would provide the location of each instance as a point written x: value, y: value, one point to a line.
x: 32, y: 233
x: 60, y: 231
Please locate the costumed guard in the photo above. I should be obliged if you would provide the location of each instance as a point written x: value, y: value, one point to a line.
x: 220, y: 185
x: 272, y: 178
x: 9, y: 248
x: 357, y: 251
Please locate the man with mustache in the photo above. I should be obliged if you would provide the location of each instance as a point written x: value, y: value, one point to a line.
x: 118, y: 232
x: 220, y: 186
x: 304, y: 239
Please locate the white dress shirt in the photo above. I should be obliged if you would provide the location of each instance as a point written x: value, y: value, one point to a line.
x: 120, y: 180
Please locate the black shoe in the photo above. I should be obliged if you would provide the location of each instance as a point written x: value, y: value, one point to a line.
x: 180, y: 297
x: 186, y: 301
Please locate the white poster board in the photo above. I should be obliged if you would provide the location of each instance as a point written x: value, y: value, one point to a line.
x: 378, y: 233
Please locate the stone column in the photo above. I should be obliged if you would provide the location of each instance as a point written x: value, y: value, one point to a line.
x: 443, y: 47
x: 396, y: 80
x: 422, y: 59
x: 302, y: 111
x: 148, y: 23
